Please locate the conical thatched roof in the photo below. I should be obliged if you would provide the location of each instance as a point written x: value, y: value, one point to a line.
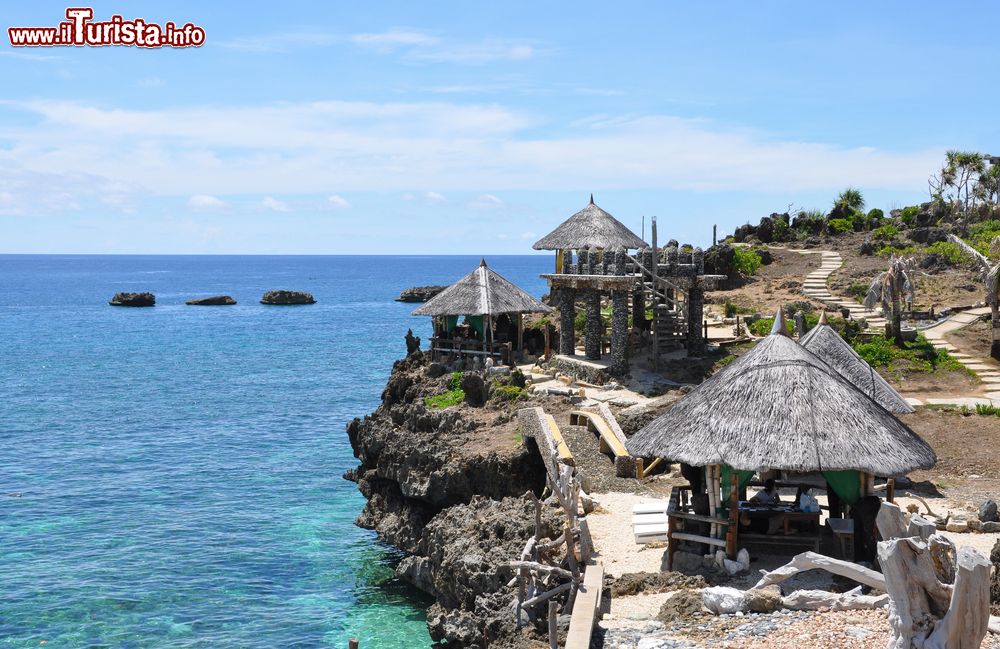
x: 780, y: 407
x: 481, y: 292
x: 826, y: 343
x: 591, y: 227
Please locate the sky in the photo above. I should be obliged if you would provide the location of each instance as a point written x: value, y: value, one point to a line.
x: 476, y: 128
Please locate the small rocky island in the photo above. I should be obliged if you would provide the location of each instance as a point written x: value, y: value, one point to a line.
x: 287, y: 297
x: 419, y: 293
x: 133, y: 299
x: 214, y: 300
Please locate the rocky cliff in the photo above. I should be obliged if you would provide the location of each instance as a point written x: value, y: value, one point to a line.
x: 447, y: 487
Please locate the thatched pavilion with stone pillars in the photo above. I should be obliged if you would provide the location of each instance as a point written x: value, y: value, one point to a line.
x: 776, y: 408
x: 490, y: 301
x: 601, y: 243
x: 824, y: 341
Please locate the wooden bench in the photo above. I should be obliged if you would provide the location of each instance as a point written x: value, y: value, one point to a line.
x: 811, y: 540
x: 565, y: 455
x: 612, y: 441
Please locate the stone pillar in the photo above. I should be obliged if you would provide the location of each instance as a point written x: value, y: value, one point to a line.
x: 567, y: 266
x: 619, y: 333
x: 581, y: 261
x: 592, y: 266
x: 800, y: 324
x: 567, y: 314
x: 595, y: 326
x: 698, y: 259
x: 696, y: 313
x: 638, y: 308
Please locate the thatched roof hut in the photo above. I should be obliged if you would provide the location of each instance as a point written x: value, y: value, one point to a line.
x: 824, y: 341
x: 591, y: 227
x: 780, y: 407
x: 481, y: 292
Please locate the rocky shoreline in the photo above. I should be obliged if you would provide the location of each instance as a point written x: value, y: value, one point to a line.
x: 449, y: 487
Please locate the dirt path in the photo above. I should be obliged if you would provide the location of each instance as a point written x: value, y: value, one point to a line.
x: 815, y: 287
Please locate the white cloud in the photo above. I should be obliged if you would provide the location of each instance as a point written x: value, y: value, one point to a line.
x: 205, y: 202
x: 528, y: 235
x: 419, y: 46
x: 275, y: 205
x: 298, y: 147
x: 486, y: 202
x: 279, y: 42
x: 338, y: 202
x: 434, y: 198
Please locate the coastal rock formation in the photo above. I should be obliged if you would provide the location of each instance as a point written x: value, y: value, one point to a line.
x: 419, y: 293
x: 133, y: 299
x: 215, y: 300
x: 287, y: 297
x: 446, y: 486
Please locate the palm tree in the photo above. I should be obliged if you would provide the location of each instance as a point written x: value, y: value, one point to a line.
x: 850, y: 199
x: 989, y: 268
x: 892, y: 287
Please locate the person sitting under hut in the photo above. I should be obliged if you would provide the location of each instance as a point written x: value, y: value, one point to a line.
x: 764, y: 523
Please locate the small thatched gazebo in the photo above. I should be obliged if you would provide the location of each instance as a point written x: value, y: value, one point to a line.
x: 778, y: 407
x: 824, y: 341
x: 591, y: 227
x: 492, y: 306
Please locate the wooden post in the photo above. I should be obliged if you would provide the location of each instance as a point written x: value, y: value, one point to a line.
x: 734, y: 515
x: 553, y: 625
x: 671, y: 543
x: 352, y: 643
x: 890, y: 489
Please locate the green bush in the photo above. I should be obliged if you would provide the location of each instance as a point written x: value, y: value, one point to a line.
x: 885, y: 232
x: 730, y: 309
x: 780, y: 230
x: 875, y: 215
x: 879, y: 351
x: 840, y: 226
x: 763, y: 326
x: 909, y: 214
x: 859, y: 291
x: 982, y: 234
x: 580, y: 321
x: 745, y: 261
x: 949, y: 251
x: 988, y: 410
x: 507, y: 393
x: 452, y: 397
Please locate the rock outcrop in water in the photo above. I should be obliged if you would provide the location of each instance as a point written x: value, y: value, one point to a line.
x: 448, y: 488
x: 419, y: 293
x: 133, y: 299
x: 287, y: 298
x: 215, y: 300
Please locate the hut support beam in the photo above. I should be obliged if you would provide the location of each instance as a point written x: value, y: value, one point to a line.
x: 595, y: 325
x: 695, y: 316
x: 567, y: 316
x: 619, y: 333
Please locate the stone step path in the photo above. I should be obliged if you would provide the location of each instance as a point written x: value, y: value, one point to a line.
x: 988, y: 370
x: 815, y: 287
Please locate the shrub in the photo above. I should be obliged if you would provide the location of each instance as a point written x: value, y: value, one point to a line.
x: 779, y: 230
x: 885, y: 232
x: 875, y: 214
x: 452, y: 397
x: 763, y: 326
x: 745, y: 261
x: 987, y: 409
x: 859, y: 291
x: 949, y: 251
x: 840, y: 226
x: 909, y: 214
x: 580, y: 321
x: 879, y: 351
x: 730, y: 309
x: 507, y: 393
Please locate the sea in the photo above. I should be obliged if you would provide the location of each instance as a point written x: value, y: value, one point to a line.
x: 171, y: 476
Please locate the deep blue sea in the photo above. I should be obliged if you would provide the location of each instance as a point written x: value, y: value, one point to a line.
x: 171, y: 477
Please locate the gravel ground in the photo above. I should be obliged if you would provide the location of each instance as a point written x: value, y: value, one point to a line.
x: 598, y: 468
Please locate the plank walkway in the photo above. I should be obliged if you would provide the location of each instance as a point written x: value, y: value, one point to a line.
x: 987, y: 370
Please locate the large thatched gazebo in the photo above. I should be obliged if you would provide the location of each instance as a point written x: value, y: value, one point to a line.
x: 778, y: 407
x: 824, y: 341
x: 493, y: 308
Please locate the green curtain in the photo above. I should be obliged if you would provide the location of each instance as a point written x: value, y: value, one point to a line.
x: 846, y: 484
x: 742, y: 480
x: 477, y: 323
x: 450, y: 322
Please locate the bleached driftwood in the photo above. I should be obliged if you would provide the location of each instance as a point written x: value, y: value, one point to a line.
x: 814, y: 600
x: 890, y: 521
x: 928, y: 612
x: 813, y: 561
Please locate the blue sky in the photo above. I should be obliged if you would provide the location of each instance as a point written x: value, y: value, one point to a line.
x: 335, y: 128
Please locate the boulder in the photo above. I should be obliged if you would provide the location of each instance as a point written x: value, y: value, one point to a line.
x: 988, y: 511
x: 287, y: 298
x: 991, y: 527
x: 419, y: 293
x: 215, y: 300
x: 763, y: 600
x: 477, y: 392
x: 133, y: 299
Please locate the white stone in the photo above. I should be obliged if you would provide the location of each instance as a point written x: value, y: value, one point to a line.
x: 722, y: 599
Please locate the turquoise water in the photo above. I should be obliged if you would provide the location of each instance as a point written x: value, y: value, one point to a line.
x: 171, y: 477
